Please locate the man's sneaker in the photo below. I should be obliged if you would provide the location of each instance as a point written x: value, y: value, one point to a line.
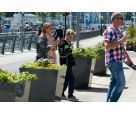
x: 73, y: 98
x: 64, y: 97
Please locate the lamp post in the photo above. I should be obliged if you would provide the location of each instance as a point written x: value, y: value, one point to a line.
x: 101, y: 19
x: 77, y: 29
x: 65, y: 14
x: 132, y: 21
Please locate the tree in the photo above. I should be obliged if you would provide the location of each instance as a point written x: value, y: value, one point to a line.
x: 2, y: 14
x: 42, y: 15
x: 9, y: 14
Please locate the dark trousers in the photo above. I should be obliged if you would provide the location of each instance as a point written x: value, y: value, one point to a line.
x: 69, y: 81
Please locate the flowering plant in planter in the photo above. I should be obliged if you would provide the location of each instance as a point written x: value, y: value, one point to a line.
x: 13, y: 84
x: 43, y: 64
x: 6, y: 76
x: 131, y: 31
x: 100, y: 47
x: 50, y: 80
x: 134, y: 44
x: 85, y: 52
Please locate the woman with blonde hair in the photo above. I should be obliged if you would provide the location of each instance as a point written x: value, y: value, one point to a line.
x: 46, y: 46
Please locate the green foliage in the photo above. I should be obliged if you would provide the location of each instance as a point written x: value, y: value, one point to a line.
x: 2, y: 14
x: 134, y: 41
x: 129, y: 42
x: 89, y: 52
x: 6, y: 76
x: 131, y: 31
x: 43, y: 64
x: 100, y: 47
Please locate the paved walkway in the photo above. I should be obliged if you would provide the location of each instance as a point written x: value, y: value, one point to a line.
x: 97, y: 90
x: 98, y: 86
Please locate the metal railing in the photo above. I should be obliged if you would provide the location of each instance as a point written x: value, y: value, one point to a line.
x: 11, y: 42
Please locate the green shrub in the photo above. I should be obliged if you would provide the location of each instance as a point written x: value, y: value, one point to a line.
x: 88, y: 52
x: 131, y: 31
x: 94, y: 52
x: 100, y: 47
x: 43, y: 64
x: 6, y: 76
x: 134, y: 41
x: 129, y: 42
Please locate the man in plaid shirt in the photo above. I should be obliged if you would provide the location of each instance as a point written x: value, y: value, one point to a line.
x: 115, y: 55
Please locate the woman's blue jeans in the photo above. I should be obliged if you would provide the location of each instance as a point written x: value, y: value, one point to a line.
x: 117, y: 81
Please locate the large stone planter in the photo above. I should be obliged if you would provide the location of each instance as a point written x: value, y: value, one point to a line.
x: 134, y: 48
x: 22, y: 91
x: 10, y: 93
x: 83, y: 72
x: 7, y: 92
x: 100, y: 68
x: 48, y: 86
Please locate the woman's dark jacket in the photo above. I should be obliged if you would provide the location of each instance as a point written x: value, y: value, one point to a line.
x: 42, y: 48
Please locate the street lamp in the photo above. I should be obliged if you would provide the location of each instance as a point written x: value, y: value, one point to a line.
x: 101, y: 19
x: 132, y: 21
x: 65, y: 14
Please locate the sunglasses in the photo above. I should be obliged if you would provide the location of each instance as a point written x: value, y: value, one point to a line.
x: 120, y: 18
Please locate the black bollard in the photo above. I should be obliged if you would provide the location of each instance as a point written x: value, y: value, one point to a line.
x: 30, y: 42
x: 3, y: 46
x: 13, y: 44
x: 22, y: 43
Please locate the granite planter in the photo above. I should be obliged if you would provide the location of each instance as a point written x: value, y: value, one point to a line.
x: 100, y: 68
x: 7, y: 92
x: 83, y: 72
x: 48, y: 86
x: 22, y: 91
x: 134, y: 48
x: 11, y: 92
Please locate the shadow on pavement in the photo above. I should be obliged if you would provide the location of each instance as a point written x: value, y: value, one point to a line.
x: 93, y: 89
x: 125, y: 67
x: 126, y: 88
x: 106, y: 75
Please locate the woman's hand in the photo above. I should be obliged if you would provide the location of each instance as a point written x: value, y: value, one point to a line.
x: 55, y: 44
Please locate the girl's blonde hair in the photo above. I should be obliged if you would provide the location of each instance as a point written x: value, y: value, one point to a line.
x: 69, y: 31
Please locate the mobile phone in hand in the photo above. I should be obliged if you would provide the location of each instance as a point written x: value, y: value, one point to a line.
x: 49, y: 46
x: 132, y: 66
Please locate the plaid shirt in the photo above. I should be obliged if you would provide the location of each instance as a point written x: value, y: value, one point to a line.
x: 115, y: 54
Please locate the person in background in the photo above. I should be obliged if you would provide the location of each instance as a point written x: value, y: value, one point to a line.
x: 39, y: 31
x: 46, y: 46
x: 115, y: 55
x: 58, y: 33
x: 0, y: 28
x: 66, y: 57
